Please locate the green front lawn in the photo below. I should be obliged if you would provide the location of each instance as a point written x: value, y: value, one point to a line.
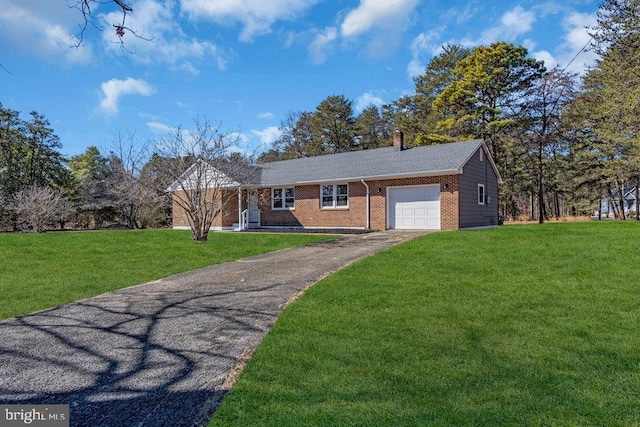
x: 39, y: 271
x: 520, y: 325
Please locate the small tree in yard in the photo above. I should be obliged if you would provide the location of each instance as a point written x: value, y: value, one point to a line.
x: 131, y: 190
x: 39, y: 207
x: 206, y: 174
x: 131, y: 193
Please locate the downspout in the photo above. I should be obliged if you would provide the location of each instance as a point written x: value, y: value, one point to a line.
x: 638, y: 199
x: 239, y: 208
x: 368, y: 210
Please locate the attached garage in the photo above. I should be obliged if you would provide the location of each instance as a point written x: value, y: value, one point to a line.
x: 416, y: 207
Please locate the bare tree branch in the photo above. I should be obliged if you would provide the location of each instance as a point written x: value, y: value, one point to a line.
x: 37, y: 207
x: 125, y: 7
x: 84, y: 6
x: 131, y: 189
x: 90, y: 19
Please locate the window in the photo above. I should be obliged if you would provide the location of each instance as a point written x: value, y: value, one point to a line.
x: 481, y: 155
x: 334, y: 196
x: 481, y: 194
x: 282, y: 198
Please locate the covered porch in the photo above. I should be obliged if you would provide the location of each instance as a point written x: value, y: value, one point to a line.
x: 248, y: 209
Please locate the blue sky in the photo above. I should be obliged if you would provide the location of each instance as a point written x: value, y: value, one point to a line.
x: 244, y: 64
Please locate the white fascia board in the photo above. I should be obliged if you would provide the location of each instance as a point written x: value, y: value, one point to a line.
x: 373, y: 177
x: 212, y: 176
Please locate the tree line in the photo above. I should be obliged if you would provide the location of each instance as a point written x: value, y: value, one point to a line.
x: 41, y: 189
x: 129, y: 187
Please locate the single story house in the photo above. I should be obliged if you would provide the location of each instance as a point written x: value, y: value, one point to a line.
x: 440, y: 187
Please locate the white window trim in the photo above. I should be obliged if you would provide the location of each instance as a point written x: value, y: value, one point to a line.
x: 484, y: 194
x: 284, y: 191
x: 335, y: 197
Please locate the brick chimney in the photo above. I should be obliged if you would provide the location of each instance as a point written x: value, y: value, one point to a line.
x: 398, y: 140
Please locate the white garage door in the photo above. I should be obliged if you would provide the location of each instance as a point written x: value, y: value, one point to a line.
x: 415, y: 207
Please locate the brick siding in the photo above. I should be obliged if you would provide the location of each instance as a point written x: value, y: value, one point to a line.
x: 227, y: 218
x: 307, y: 211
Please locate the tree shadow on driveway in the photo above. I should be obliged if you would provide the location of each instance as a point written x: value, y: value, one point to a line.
x: 165, y: 352
x: 132, y: 359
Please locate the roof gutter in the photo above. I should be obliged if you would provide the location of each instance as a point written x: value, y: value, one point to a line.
x: 368, y: 206
x: 369, y: 178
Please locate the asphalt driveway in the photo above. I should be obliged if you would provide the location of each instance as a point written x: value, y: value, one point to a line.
x: 163, y: 353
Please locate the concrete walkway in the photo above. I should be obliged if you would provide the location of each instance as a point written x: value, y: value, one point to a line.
x: 164, y: 353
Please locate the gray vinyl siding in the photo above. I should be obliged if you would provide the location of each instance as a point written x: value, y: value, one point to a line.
x: 477, y: 172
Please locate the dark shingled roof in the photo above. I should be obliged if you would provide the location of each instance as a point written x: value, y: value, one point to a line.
x: 380, y: 163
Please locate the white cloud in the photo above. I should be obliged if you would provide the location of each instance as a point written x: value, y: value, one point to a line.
x: 267, y: 136
x: 160, y: 127
x: 551, y: 7
x: 238, y: 142
x: 415, y: 68
x: 257, y: 16
x: 425, y: 44
x: 375, y: 13
x: 384, y: 22
x: 322, y: 43
x: 267, y: 116
x: 570, y: 49
x: 513, y: 23
x: 460, y: 16
x: 289, y: 39
x: 161, y: 39
x: 43, y: 28
x: 188, y: 67
x: 571, y: 53
x: 184, y: 105
x: 529, y: 44
x: 367, y: 99
x: 518, y: 21
x: 114, y: 89
x: 546, y: 57
x: 236, y: 139
x: 576, y: 25
x: 540, y: 55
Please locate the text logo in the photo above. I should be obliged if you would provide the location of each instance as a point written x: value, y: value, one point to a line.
x: 34, y: 415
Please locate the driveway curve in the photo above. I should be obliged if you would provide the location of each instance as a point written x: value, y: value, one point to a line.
x: 164, y: 353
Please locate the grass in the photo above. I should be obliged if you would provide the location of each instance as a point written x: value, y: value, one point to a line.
x: 39, y: 271
x: 521, y: 325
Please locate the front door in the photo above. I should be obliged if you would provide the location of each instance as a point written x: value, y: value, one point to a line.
x: 254, y: 212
